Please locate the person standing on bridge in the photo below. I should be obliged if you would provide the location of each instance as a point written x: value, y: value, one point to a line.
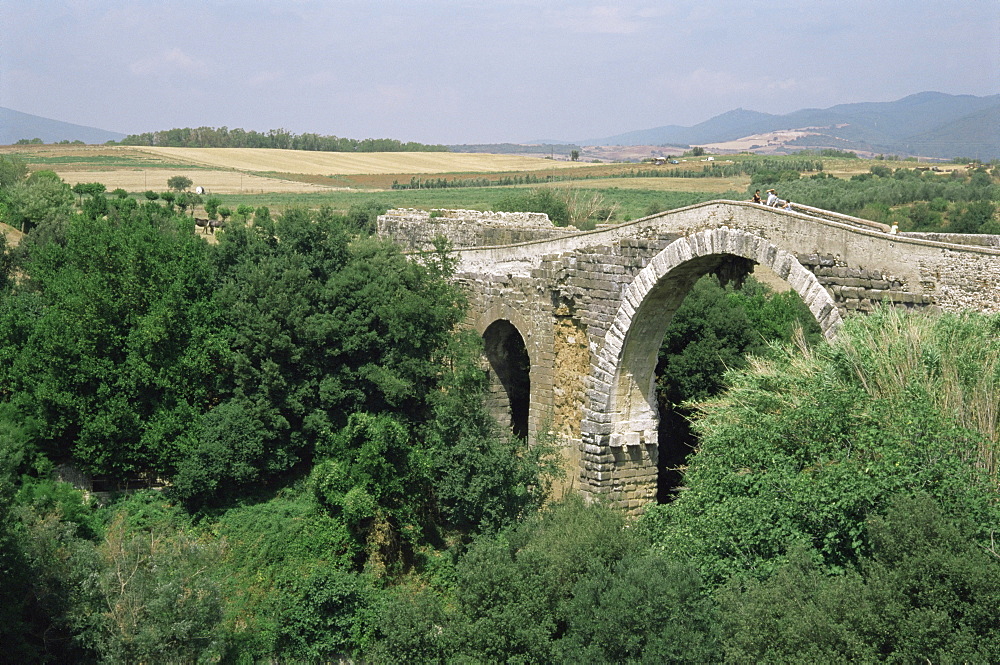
x: 756, y: 197
x: 788, y: 205
x: 772, y: 198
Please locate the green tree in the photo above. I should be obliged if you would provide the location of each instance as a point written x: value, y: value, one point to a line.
x: 96, y: 206
x: 644, y: 609
x: 243, y: 212
x: 88, y: 188
x: 179, y: 183
x: 326, y: 615
x: 922, y: 218
x: 364, y: 216
x: 512, y: 590
x: 483, y: 478
x: 972, y: 217
x: 41, y: 200
x: 169, y: 198
x: 227, y: 449
x: 322, y: 329
x: 109, y: 343
x: 187, y: 200
x: 212, y: 204
x: 13, y: 170
x: 713, y: 331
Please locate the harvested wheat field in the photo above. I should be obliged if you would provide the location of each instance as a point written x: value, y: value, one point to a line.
x: 260, y: 170
x: 354, y: 163
x: 212, y: 181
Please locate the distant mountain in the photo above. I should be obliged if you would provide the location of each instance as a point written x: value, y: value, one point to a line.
x: 962, y: 138
x: 930, y: 124
x: 15, y: 126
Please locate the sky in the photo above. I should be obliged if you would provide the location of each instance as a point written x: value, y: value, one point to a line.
x: 479, y: 71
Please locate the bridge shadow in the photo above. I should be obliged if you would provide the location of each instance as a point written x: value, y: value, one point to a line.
x: 509, y: 376
x: 675, y: 443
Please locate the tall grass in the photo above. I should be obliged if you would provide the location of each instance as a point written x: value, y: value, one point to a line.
x: 948, y: 362
x: 952, y: 359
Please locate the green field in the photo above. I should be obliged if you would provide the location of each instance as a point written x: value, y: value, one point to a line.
x: 631, y: 203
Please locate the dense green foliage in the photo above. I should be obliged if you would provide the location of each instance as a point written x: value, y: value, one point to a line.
x: 572, y: 584
x: 802, y: 446
x: 918, y: 200
x: 296, y: 356
x: 716, y: 327
x: 335, y: 489
x: 927, y: 591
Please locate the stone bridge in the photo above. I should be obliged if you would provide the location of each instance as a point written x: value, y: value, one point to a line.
x: 572, y: 322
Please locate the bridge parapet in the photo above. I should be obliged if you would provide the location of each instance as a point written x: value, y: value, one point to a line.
x: 417, y: 229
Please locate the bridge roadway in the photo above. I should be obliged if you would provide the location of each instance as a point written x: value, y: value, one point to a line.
x: 572, y: 325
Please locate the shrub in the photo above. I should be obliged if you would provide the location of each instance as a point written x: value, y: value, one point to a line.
x: 536, y: 200
x: 928, y: 592
x: 325, y: 616
x: 802, y: 447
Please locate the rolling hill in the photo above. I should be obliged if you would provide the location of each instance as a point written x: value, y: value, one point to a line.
x: 929, y: 124
x: 15, y: 126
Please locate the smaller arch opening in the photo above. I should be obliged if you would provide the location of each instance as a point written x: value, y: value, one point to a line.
x: 509, y: 376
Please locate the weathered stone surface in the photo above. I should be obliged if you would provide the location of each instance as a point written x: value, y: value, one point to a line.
x: 592, y: 307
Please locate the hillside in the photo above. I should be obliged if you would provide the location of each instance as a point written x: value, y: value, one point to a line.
x: 927, y: 124
x: 15, y: 126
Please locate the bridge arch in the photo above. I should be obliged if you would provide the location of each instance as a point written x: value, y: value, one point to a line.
x: 506, y: 339
x: 623, y: 414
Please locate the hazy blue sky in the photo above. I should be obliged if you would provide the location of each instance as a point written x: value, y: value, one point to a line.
x: 471, y: 71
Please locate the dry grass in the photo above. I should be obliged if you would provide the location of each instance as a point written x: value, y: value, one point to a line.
x: 953, y: 358
x: 264, y: 171
x: 254, y: 171
x: 12, y: 235
x: 341, y: 163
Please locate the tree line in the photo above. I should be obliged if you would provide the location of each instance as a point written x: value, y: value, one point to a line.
x: 755, y: 167
x: 223, y: 137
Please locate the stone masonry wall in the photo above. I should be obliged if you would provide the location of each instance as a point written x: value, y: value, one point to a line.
x: 416, y: 229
